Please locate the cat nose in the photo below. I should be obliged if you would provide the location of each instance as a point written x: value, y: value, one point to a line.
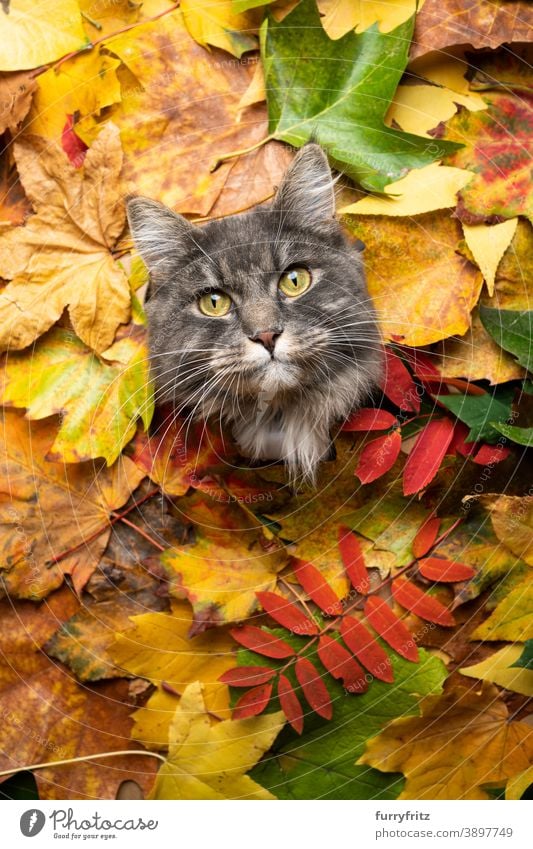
x: 267, y: 339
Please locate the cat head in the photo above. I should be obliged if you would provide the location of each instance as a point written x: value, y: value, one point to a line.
x: 267, y: 304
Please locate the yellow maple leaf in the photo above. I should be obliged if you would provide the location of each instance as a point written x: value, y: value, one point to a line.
x: 420, y: 108
x: 62, y: 256
x: 33, y: 34
x: 100, y: 400
x: 215, y: 22
x: 462, y: 741
x: 423, y: 290
x: 207, y: 761
x: 511, y: 619
x: 342, y: 16
x: 157, y: 647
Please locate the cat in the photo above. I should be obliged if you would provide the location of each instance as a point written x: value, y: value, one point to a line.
x: 262, y: 318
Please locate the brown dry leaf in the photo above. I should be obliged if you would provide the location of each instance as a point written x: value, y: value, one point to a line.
x: 14, y: 205
x: 47, y: 716
x: 423, y: 289
x: 481, y: 23
x: 46, y: 508
x: 16, y: 92
x: 62, y: 256
x: 179, y: 112
x: 476, y: 356
x: 512, y: 520
x: 462, y: 742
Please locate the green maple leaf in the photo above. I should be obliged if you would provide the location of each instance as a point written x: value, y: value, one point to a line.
x: 338, y: 92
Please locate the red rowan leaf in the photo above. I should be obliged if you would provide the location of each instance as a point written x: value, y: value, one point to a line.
x: 253, y: 702
x: 426, y: 536
x: 437, y: 569
x: 73, y: 146
x: 290, y: 704
x: 490, y: 454
x: 340, y: 664
x: 417, y: 601
x: 424, y: 368
x: 247, y: 676
x: 314, y: 689
x: 287, y: 614
x: 363, y: 645
x: 317, y: 587
x: 458, y: 444
x: 262, y: 642
x: 370, y: 419
x: 378, y: 456
x: 354, y: 562
x: 426, y: 456
x: 398, y: 385
x: 392, y: 629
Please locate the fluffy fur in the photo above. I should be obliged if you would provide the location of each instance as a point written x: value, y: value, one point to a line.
x: 327, y: 357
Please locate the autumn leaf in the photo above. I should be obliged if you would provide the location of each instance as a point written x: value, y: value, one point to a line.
x: 500, y: 668
x: 496, y: 150
x: 350, y: 124
x: 14, y: 205
x: 481, y: 23
x: 62, y: 256
x: 208, y: 761
x: 474, y: 723
x: 511, y: 619
x: 100, y: 400
x: 488, y: 243
x: 220, y: 25
x: 480, y: 411
x: 231, y: 560
x: 34, y: 35
x: 47, y: 500
x: 512, y: 520
x: 341, y: 16
x: 512, y: 330
x: 423, y: 289
x: 180, y: 111
x: 16, y: 92
x: 49, y: 717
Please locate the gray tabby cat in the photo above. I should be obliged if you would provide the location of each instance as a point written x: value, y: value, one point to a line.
x: 262, y: 318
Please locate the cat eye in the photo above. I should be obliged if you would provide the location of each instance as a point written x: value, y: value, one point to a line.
x: 214, y: 304
x: 294, y: 282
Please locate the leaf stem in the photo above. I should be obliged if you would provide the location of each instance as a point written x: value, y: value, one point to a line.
x: 82, y: 759
x: 235, y: 153
x: 140, y: 531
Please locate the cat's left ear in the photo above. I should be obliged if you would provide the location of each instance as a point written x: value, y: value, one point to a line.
x: 159, y: 233
x: 306, y: 194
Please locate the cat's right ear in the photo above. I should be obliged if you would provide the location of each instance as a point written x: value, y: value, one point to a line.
x: 159, y: 233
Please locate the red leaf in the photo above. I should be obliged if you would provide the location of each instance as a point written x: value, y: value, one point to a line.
x: 398, y: 385
x: 253, y: 702
x: 458, y: 444
x: 73, y: 146
x: 247, y: 676
x: 262, y: 642
x: 340, y: 664
x: 317, y: 588
x: 287, y: 614
x: 370, y: 419
x: 378, y: 456
x: 417, y: 601
x: 426, y: 455
x: 426, y: 536
x: 437, y: 569
x: 392, y: 629
x: 424, y: 368
x: 361, y: 642
x: 290, y: 704
x: 490, y: 454
x: 313, y: 687
x: 354, y: 562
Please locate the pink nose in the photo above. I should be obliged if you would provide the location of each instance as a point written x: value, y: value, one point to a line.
x: 267, y: 339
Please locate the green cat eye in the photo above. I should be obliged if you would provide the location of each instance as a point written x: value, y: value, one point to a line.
x: 294, y: 282
x: 215, y: 304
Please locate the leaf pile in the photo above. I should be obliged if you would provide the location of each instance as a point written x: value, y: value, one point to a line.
x: 371, y: 638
